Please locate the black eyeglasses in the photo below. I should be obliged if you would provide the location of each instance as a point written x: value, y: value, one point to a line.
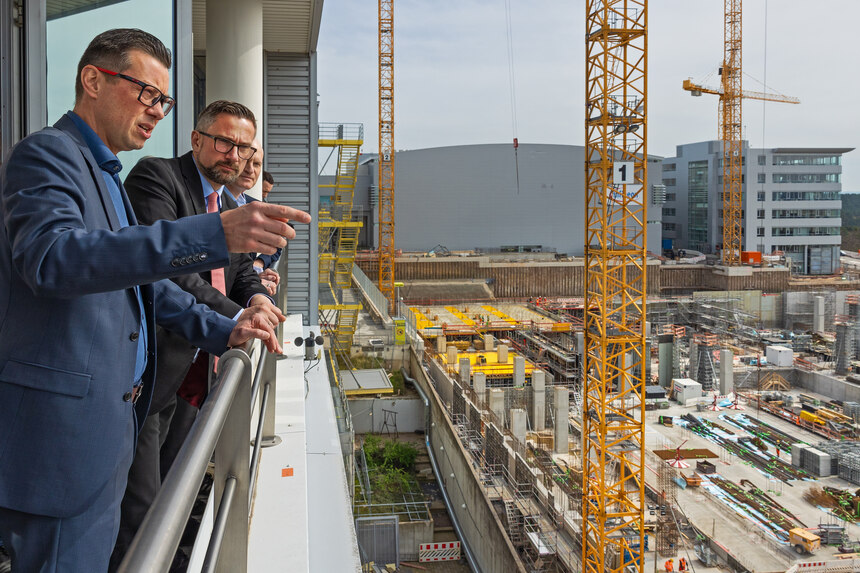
x: 149, y: 95
x: 226, y: 146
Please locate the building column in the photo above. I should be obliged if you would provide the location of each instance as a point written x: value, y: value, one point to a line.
x: 234, y: 57
x: 727, y: 381
x: 562, y: 406
x: 538, y: 400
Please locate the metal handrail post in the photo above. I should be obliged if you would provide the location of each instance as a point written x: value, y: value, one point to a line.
x: 156, y: 541
x: 270, y: 367
x: 232, y: 458
x: 270, y: 370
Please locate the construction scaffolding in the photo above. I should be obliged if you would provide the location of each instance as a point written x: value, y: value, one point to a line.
x: 541, y: 522
x: 339, y: 304
x: 705, y: 372
x: 667, y: 528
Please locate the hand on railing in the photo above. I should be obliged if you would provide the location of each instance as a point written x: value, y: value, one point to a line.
x: 258, y: 322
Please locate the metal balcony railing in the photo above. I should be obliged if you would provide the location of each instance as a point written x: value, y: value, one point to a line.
x: 221, y: 432
x: 341, y: 131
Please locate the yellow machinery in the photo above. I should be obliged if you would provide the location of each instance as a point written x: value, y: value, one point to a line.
x: 386, y: 151
x: 804, y: 541
x: 338, y: 238
x: 731, y: 95
x: 615, y: 262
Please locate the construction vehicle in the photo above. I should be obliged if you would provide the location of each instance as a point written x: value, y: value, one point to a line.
x: 804, y: 541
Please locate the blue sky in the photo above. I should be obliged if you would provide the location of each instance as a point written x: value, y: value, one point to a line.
x: 452, y: 84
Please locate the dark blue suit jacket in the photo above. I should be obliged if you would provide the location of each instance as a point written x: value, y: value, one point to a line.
x: 69, y: 319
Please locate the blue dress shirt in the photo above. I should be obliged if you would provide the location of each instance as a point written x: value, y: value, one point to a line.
x: 111, y: 166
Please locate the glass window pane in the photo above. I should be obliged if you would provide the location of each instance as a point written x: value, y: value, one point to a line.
x: 68, y: 35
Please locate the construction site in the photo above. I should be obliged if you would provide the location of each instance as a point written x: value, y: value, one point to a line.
x: 746, y: 441
x: 618, y: 411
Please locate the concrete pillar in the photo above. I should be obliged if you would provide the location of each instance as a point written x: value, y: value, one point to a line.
x: 452, y: 355
x: 234, y: 57
x: 562, y: 404
x: 441, y: 344
x: 480, y: 382
x: 489, y: 342
x: 539, y: 400
x: 727, y: 374
x: 665, y: 359
x: 497, y: 405
x: 627, y: 375
x: 518, y: 424
x: 502, y: 349
x: 465, y: 372
x: 818, y: 314
x: 519, y: 371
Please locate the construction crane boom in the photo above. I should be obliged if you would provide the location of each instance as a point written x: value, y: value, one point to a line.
x: 386, y: 151
x: 731, y: 95
x: 613, y: 404
x: 698, y: 89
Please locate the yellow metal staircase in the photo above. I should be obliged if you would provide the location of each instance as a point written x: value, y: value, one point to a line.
x: 338, y: 238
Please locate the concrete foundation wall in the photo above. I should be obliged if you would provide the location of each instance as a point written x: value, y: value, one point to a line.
x: 443, y: 383
x: 509, y: 279
x: 368, y: 416
x: 480, y: 524
x: 828, y: 386
x: 817, y: 382
x: 413, y: 533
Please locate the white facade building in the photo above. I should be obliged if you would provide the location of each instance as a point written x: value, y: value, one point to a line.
x: 791, y: 202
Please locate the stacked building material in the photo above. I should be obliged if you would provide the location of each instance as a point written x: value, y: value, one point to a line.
x: 849, y: 467
x: 846, y: 456
x: 852, y: 409
x: 745, y: 448
x: 816, y: 462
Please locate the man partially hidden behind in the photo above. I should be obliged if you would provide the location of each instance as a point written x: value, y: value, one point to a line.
x: 83, y: 289
x: 268, y: 184
x: 238, y: 190
x: 170, y: 189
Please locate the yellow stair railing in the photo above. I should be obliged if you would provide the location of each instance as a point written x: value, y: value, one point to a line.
x: 338, y: 238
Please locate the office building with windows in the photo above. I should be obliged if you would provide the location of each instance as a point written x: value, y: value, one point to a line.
x: 791, y: 202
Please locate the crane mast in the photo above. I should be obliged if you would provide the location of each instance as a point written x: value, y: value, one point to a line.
x: 730, y: 126
x: 386, y: 151
x: 615, y: 286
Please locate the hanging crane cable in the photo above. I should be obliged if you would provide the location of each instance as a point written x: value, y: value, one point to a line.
x: 513, y: 88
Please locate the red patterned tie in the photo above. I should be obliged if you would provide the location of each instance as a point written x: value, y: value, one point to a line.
x: 217, y: 274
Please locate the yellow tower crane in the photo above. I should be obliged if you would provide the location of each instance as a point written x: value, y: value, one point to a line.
x: 386, y: 151
x: 615, y: 266
x: 731, y: 95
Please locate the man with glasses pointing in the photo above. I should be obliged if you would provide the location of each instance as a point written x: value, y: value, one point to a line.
x: 83, y: 289
x: 170, y: 189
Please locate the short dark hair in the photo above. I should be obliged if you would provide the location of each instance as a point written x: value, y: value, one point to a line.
x: 111, y: 49
x: 208, y: 116
x: 267, y: 177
